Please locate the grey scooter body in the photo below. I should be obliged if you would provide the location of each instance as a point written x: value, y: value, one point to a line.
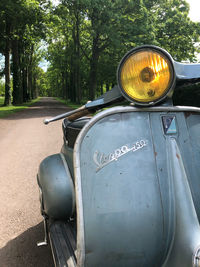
x: 124, y: 190
x: 137, y: 188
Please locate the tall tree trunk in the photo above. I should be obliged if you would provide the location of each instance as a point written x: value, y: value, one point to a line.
x: 78, y: 86
x: 7, y: 100
x: 35, y: 90
x: 66, y: 75
x: 30, y: 75
x: 101, y: 88
x: 17, y: 88
x: 30, y: 83
x: 66, y: 83
x: 74, y: 66
x: 25, y: 83
x: 24, y: 70
x: 72, y: 92
x: 93, y: 72
x: 107, y: 87
x: 63, y: 84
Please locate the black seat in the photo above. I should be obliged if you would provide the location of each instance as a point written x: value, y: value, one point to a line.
x: 71, y: 129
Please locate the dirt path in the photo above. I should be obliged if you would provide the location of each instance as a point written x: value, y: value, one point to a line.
x: 24, y: 142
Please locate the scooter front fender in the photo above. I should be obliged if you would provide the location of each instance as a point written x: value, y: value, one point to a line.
x: 57, y: 188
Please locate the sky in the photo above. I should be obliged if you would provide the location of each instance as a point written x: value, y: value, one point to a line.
x: 194, y: 10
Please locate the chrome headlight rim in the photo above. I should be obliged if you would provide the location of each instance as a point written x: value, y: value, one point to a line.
x: 162, y: 52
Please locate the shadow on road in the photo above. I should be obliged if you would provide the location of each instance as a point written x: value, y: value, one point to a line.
x: 45, y: 107
x: 23, y: 251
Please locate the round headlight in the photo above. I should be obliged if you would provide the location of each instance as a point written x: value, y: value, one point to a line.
x: 146, y: 75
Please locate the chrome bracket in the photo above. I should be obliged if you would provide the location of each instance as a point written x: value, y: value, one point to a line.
x: 45, y: 241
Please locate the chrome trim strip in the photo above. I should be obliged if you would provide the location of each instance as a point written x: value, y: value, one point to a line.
x: 76, y: 159
x: 167, y: 109
x: 79, y: 204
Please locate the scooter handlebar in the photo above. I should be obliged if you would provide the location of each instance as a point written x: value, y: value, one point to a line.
x: 106, y: 99
x: 78, y: 115
x: 46, y: 121
x: 71, y: 115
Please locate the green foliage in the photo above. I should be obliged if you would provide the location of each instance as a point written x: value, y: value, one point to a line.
x: 68, y: 103
x: 22, y: 25
x: 175, y: 31
x: 2, y: 88
x: 8, y: 110
x: 1, y: 100
x: 41, y: 82
x: 87, y: 39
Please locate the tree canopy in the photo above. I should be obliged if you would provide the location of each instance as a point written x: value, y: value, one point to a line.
x: 84, y: 41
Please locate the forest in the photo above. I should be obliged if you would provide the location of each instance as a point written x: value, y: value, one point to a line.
x: 82, y: 42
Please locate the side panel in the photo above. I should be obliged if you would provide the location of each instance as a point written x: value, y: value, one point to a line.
x: 192, y: 156
x: 128, y: 204
x: 57, y: 188
x: 182, y: 165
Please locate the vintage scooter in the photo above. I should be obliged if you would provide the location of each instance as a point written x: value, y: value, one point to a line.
x: 125, y: 188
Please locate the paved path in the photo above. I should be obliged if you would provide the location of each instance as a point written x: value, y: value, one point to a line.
x: 24, y: 142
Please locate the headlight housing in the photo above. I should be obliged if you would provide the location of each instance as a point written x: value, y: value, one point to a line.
x: 146, y: 75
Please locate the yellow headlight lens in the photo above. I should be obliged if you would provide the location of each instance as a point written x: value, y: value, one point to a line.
x: 146, y: 76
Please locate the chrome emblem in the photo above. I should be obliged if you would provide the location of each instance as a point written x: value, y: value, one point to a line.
x: 169, y: 124
x: 101, y: 160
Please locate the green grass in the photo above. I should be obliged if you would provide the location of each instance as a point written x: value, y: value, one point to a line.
x: 5, y: 111
x: 68, y: 103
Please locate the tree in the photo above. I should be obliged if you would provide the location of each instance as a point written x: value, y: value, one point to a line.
x: 27, y: 33
x: 6, y: 27
x: 21, y: 27
x: 175, y: 31
x: 87, y: 39
x: 116, y: 25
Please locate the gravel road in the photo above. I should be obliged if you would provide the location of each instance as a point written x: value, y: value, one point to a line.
x: 24, y: 142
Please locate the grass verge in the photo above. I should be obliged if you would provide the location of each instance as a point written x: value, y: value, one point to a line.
x: 68, y: 103
x: 5, y: 111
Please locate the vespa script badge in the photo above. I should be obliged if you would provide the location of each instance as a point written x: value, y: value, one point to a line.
x: 101, y: 160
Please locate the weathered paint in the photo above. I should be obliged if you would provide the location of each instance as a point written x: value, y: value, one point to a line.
x: 127, y: 211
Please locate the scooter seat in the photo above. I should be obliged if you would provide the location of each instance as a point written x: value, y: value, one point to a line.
x: 71, y: 129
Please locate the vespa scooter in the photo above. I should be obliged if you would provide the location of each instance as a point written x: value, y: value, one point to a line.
x: 125, y: 188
